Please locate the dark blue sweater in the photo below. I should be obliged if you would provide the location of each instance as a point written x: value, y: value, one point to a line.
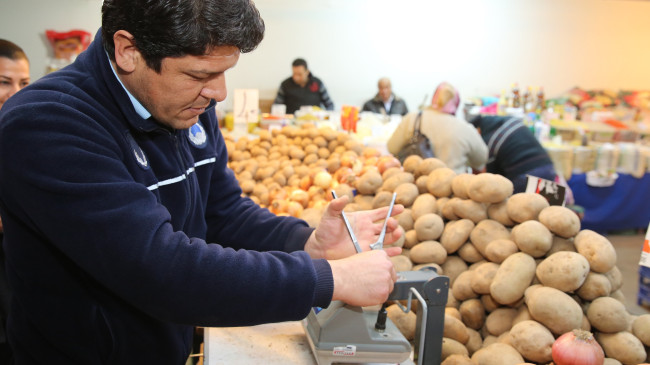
x: 121, y: 235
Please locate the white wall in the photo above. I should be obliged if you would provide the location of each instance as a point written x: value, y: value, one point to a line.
x: 479, y: 46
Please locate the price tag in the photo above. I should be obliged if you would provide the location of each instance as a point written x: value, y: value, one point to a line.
x: 645, y: 253
x: 246, y: 106
x: 552, y: 191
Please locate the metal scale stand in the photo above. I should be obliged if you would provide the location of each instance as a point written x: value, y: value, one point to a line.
x: 343, y: 333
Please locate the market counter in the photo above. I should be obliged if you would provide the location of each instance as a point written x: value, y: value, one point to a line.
x: 624, y: 205
x: 275, y: 343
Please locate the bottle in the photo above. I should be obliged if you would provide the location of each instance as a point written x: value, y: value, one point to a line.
x: 516, y: 99
x: 539, y: 105
x: 502, y: 104
x: 527, y: 99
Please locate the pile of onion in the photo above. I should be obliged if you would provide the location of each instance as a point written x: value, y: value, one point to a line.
x: 577, y: 347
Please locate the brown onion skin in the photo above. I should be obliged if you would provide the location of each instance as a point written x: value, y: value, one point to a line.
x: 577, y: 347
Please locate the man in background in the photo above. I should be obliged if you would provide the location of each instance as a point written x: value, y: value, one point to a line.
x: 303, y: 88
x: 385, y: 102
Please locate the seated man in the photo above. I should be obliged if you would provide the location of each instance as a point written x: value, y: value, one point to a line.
x: 385, y: 102
x: 302, y: 88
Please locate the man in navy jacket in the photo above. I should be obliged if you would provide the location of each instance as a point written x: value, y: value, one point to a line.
x: 124, y: 227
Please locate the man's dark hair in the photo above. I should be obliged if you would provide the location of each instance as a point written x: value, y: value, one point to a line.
x: 299, y: 62
x: 11, y: 51
x: 176, y: 28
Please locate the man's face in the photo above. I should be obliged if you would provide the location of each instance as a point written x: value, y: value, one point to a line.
x: 14, y: 75
x: 300, y: 75
x: 384, y: 90
x: 184, y: 87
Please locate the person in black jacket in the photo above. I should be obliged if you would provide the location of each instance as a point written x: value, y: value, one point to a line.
x: 302, y: 89
x: 124, y: 226
x: 385, y: 102
x: 513, y: 150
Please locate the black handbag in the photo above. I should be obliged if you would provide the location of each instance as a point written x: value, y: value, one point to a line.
x: 418, y: 144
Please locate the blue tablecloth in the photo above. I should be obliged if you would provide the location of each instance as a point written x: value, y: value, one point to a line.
x: 624, y: 205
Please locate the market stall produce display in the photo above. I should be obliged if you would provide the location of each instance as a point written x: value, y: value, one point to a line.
x: 522, y: 273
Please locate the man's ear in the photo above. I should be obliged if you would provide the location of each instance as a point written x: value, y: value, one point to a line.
x: 126, y: 53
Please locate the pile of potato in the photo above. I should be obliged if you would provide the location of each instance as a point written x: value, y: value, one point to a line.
x: 521, y: 272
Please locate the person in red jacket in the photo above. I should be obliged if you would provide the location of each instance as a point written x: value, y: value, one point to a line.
x: 125, y: 227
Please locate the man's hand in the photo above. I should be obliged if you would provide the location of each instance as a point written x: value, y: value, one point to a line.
x: 364, y: 279
x: 332, y: 241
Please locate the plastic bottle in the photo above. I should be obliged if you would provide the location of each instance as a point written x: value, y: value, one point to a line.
x: 540, y: 104
x: 516, y: 98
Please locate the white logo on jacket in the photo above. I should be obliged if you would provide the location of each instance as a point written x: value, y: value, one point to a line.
x: 138, y: 153
x: 197, y: 135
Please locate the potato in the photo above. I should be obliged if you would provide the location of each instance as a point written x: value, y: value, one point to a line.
x: 532, y: 340
x: 610, y: 361
x: 469, y: 253
x: 597, y: 249
x: 429, y: 227
x: 489, y: 303
x: 469, y: 209
x: 427, y: 252
x: 522, y: 207
x: 499, y: 213
x: 405, y: 322
x: 369, y: 183
x: 439, y: 182
x: 455, y: 329
x: 423, y: 204
x: 500, y: 249
x: 472, y: 313
x: 411, y: 164
x: 421, y: 183
x: 500, y: 320
x: 487, y: 231
x: 410, y: 239
x: 455, y: 234
x: 615, y: 278
x: 513, y: 277
x: 489, y: 188
x: 390, y: 172
x: 595, y: 285
x: 452, y: 347
x: 607, y: 315
x: 405, y: 219
x: 622, y: 346
x: 391, y: 183
x: 475, y: 341
x: 485, y: 273
x: 462, y: 287
x: 640, y: 328
x: 457, y: 359
x: 401, y: 263
x: 561, y: 244
x: 406, y: 194
x: 560, y: 220
x: 532, y: 238
x: 522, y: 315
x: 382, y: 199
x: 453, y: 267
x: 554, y: 309
x: 428, y: 165
x: 459, y: 185
x: 446, y: 207
x: 565, y: 271
x: 497, y: 354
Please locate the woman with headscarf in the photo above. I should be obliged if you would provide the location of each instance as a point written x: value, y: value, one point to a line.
x: 453, y: 140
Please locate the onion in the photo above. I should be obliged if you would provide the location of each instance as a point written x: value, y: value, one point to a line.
x: 577, y: 347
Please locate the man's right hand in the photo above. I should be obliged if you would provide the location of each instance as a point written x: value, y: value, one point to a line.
x: 364, y: 279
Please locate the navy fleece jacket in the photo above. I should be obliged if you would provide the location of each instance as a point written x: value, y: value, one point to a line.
x: 120, y: 234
